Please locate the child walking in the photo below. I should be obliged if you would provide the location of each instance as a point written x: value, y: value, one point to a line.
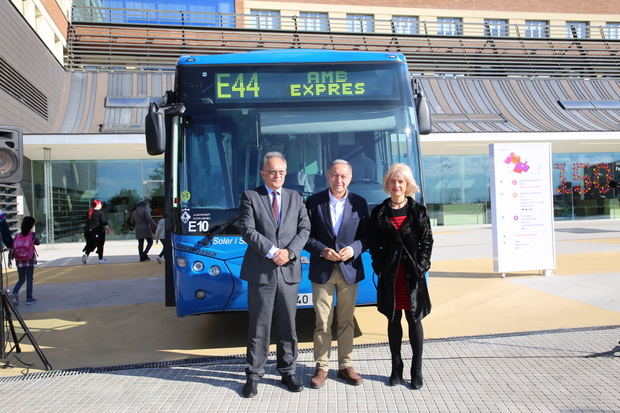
x: 25, y: 256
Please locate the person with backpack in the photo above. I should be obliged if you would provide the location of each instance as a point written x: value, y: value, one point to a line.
x: 25, y: 255
x: 94, y: 231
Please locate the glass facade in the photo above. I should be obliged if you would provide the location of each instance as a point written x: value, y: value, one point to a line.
x: 120, y: 184
x: 456, y: 190
x: 581, y: 185
x: 173, y: 12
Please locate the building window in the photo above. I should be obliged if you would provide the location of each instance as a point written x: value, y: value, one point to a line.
x: 457, y: 187
x: 405, y: 24
x: 120, y: 184
x: 314, y: 22
x: 612, y: 31
x: 449, y: 26
x: 360, y: 23
x: 265, y: 19
x: 169, y: 12
x: 496, y: 27
x: 536, y: 28
x: 577, y: 30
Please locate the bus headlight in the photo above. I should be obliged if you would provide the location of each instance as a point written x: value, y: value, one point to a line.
x: 215, y: 270
x: 198, y: 266
x: 181, y: 262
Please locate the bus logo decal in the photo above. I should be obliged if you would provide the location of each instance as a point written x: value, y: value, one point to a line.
x: 185, y: 217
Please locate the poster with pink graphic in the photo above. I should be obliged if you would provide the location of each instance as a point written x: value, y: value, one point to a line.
x: 522, y: 207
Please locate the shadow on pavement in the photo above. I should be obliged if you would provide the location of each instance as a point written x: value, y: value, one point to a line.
x: 142, y: 333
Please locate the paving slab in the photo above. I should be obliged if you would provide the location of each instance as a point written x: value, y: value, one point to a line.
x: 600, y: 290
x: 552, y: 371
x: 515, y: 344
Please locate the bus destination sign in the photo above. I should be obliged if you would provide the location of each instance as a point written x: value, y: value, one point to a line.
x: 303, y: 86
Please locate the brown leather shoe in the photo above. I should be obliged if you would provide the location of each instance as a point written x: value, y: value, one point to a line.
x: 318, y: 380
x: 350, y: 376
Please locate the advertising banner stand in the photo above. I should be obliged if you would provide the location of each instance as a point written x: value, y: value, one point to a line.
x: 522, y: 207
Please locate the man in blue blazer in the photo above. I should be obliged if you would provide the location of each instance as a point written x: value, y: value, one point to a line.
x: 274, y: 223
x: 338, y: 236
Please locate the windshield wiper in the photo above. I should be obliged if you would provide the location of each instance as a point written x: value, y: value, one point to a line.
x: 216, y: 230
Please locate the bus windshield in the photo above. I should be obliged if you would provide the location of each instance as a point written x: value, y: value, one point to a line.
x: 232, y: 120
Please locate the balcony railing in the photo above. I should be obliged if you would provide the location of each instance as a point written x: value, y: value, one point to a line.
x: 288, y: 21
x: 124, y: 39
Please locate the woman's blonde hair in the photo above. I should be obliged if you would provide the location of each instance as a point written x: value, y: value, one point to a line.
x: 405, y: 171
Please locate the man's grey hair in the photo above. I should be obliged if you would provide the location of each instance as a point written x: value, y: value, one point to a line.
x: 273, y: 154
x: 340, y: 161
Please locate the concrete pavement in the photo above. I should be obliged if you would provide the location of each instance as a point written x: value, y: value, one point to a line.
x: 553, y: 371
x: 103, y: 315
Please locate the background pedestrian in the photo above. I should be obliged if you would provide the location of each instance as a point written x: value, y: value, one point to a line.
x: 160, y: 234
x: 25, y: 255
x: 144, y: 226
x: 94, y: 231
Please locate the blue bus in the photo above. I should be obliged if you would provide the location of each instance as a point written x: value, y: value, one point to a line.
x: 226, y: 111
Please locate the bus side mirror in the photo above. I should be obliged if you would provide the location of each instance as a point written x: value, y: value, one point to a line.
x: 423, y: 113
x: 422, y: 110
x: 155, y: 130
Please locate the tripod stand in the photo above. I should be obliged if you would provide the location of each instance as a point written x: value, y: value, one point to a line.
x: 7, y: 310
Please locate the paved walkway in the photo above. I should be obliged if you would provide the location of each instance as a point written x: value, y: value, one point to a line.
x: 559, y: 371
x: 513, y: 344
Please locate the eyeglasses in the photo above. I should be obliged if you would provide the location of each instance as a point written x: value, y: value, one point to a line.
x: 275, y: 172
x: 341, y: 176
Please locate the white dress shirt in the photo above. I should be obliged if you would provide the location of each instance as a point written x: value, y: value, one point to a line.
x: 336, y: 210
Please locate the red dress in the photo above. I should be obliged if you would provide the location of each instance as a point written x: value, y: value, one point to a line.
x: 402, y: 297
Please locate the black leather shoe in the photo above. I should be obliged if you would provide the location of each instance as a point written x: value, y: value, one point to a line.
x: 293, y: 383
x: 249, y: 389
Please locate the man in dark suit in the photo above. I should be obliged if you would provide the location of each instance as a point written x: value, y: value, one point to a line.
x: 338, y: 237
x: 274, y: 223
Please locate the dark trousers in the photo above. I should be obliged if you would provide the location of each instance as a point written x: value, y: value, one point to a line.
x: 277, y: 299
x: 95, y: 241
x: 141, y: 250
x: 26, y: 274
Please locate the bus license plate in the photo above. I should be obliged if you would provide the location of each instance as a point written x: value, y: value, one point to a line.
x: 304, y: 299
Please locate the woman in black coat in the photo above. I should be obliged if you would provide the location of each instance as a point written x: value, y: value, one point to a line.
x: 401, y: 248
